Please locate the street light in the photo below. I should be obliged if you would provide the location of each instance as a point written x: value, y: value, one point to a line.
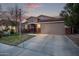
x: 20, y: 15
x: 20, y: 21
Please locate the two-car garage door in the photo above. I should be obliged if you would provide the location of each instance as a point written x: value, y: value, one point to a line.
x: 52, y: 28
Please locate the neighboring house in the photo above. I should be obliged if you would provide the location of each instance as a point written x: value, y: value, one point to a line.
x: 46, y: 25
x: 8, y: 24
x: 4, y: 24
x: 11, y: 21
x: 8, y: 21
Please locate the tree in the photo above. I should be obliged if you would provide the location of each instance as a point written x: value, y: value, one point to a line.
x: 71, y: 15
x: 0, y: 7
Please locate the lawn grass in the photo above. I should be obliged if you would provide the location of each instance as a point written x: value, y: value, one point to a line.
x: 15, y: 39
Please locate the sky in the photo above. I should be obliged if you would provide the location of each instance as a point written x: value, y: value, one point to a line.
x: 36, y: 9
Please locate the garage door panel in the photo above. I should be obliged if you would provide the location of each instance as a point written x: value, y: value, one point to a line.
x: 53, y: 28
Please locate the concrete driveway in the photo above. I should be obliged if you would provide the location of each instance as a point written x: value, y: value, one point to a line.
x: 42, y: 45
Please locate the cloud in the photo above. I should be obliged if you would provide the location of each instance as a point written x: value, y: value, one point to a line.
x: 33, y: 5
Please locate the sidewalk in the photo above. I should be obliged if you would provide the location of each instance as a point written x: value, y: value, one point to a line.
x: 74, y: 38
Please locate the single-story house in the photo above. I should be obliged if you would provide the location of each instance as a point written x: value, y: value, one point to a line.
x: 46, y: 25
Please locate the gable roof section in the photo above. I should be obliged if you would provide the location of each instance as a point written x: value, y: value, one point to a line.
x: 31, y: 18
x: 43, y: 18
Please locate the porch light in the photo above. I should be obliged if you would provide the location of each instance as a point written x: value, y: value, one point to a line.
x: 38, y: 26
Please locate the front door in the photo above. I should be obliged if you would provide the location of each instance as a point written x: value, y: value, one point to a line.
x: 32, y: 28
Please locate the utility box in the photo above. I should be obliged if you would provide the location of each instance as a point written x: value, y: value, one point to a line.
x: 68, y: 30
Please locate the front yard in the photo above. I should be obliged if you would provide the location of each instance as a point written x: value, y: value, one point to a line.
x: 15, y: 39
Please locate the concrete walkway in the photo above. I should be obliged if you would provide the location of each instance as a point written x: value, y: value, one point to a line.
x: 42, y: 45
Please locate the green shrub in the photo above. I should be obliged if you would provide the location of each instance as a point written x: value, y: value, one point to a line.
x: 12, y: 31
x: 1, y: 34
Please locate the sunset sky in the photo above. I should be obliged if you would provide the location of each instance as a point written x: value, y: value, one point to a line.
x: 32, y: 9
